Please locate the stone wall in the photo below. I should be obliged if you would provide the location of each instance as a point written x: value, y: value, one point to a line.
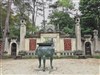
x: 73, y: 44
x: 27, y: 44
x: 99, y: 45
x: 58, y: 42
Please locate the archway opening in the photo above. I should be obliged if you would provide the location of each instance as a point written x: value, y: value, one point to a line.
x: 13, y: 49
x: 88, y: 48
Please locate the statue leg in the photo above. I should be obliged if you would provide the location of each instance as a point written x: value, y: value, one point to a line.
x: 44, y: 60
x: 51, y: 58
x: 39, y: 61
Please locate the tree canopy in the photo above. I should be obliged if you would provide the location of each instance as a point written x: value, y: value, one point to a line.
x: 66, y: 3
x: 90, y: 18
x: 14, y: 19
x: 60, y: 17
x: 63, y: 20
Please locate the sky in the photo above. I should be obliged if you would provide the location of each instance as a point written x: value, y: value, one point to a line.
x: 39, y: 18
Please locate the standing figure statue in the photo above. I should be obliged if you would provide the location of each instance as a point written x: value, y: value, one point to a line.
x: 43, y: 51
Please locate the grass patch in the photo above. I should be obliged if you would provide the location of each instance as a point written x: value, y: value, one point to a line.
x: 65, y: 57
x: 6, y: 57
x: 96, y: 56
x: 55, y: 57
x: 29, y: 57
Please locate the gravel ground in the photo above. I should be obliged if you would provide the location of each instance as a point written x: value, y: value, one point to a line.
x: 61, y: 66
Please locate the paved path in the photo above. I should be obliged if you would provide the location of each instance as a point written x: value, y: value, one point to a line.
x: 61, y: 66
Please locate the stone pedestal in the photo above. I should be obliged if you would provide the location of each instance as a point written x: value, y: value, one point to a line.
x: 22, y: 34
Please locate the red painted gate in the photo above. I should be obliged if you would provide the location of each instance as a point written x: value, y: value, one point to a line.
x: 67, y: 44
x: 32, y: 44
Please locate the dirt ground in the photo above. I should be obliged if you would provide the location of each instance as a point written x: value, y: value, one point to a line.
x: 61, y: 66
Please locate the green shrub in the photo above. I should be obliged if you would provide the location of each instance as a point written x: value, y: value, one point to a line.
x: 22, y: 53
x: 6, y: 57
x: 5, y: 52
x: 65, y: 57
x: 78, y: 52
x: 96, y: 56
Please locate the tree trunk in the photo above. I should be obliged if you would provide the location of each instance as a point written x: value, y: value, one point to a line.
x: 44, y: 21
x: 6, y: 28
x: 33, y: 14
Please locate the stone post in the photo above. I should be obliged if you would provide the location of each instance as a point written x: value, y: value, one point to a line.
x: 95, y: 40
x: 22, y: 34
x: 6, y: 45
x: 78, y: 33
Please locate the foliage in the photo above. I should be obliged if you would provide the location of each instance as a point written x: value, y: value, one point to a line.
x: 78, y: 52
x: 66, y: 3
x: 5, y: 52
x: 23, y: 10
x: 22, y: 53
x: 96, y: 56
x: 26, y: 7
x: 65, y: 57
x: 23, y: 7
x: 60, y: 17
x: 14, y: 23
x: 64, y: 21
x: 90, y: 19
